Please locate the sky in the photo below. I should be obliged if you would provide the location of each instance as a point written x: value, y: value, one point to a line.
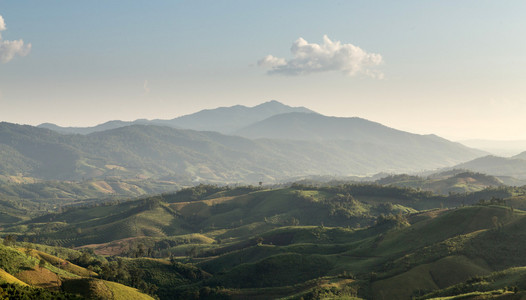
x: 452, y: 68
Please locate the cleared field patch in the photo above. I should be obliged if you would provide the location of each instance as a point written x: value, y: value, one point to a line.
x: 40, y: 277
x: 122, y: 292
x: 63, y: 264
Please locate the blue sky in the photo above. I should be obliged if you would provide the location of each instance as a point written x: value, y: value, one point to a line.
x: 453, y: 68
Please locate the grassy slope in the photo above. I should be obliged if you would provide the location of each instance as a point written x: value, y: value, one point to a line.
x: 6, y: 277
x: 397, y: 252
x: 23, y: 268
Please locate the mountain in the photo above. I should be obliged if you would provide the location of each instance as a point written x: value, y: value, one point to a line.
x: 147, y: 151
x: 497, y: 166
x: 309, y: 126
x: 223, y: 119
x: 152, y: 150
x: 87, y: 130
x: 316, y: 127
x: 229, y: 119
x: 521, y: 155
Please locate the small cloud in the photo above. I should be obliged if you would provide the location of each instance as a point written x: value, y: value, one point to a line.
x: 146, y: 87
x: 270, y: 61
x: 330, y: 56
x: 10, y: 49
x: 2, y: 24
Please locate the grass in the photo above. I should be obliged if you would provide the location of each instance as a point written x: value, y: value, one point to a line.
x: 277, y: 270
x: 427, y: 277
x: 63, y: 264
x: 8, y: 278
x: 122, y: 292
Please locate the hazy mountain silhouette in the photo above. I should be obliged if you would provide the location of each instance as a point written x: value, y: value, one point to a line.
x: 221, y: 119
x: 498, y: 166
x: 153, y: 151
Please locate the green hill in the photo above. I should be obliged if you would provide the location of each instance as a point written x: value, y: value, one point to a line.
x: 455, y: 181
x: 350, y: 240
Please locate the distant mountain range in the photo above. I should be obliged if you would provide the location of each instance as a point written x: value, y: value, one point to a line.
x: 223, y: 119
x: 290, y: 142
x: 514, y: 166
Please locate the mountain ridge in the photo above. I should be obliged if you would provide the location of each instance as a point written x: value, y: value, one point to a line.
x: 220, y: 119
x: 514, y: 166
x: 148, y: 151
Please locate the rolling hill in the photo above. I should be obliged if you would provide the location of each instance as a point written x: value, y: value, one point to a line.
x: 353, y: 240
x: 454, y: 181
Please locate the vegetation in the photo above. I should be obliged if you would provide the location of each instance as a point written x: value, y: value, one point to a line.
x: 345, y: 241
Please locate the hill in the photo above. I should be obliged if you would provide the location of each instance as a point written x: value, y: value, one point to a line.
x: 498, y: 166
x: 23, y: 198
x: 141, y: 151
x: 228, y: 213
x: 349, y: 240
x: 454, y: 181
x: 521, y: 155
x: 26, y: 273
x: 222, y: 119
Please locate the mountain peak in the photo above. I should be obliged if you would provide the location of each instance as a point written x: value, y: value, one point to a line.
x: 276, y: 105
x: 271, y: 103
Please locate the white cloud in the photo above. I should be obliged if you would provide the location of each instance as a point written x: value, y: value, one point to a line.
x: 10, y: 49
x: 329, y: 56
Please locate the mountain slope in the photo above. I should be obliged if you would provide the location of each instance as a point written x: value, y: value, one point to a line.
x: 87, y: 130
x: 316, y: 127
x: 308, y: 126
x: 454, y: 181
x: 221, y: 119
x: 230, y: 119
x: 155, y: 151
x: 497, y: 166
x: 521, y: 155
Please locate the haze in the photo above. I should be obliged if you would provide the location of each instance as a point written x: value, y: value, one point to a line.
x: 455, y: 69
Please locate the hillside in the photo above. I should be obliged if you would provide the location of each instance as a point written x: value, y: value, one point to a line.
x: 26, y: 273
x: 309, y: 126
x: 454, y: 181
x: 141, y: 151
x: 521, y: 155
x: 22, y: 198
x: 498, y: 166
x: 222, y: 119
x: 351, y: 240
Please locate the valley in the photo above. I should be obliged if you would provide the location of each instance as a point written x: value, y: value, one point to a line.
x: 258, y: 150
x: 286, y: 204
x: 351, y: 240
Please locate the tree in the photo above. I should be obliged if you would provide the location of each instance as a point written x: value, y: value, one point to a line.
x: 41, y: 264
x: 9, y: 240
x: 192, y: 252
